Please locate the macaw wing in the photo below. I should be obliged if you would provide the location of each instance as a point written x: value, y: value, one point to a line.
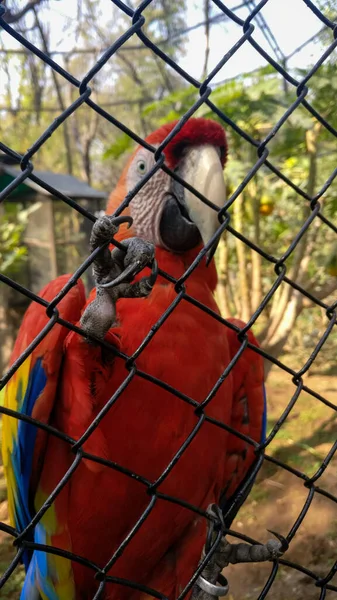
x: 31, y: 391
x: 249, y: 416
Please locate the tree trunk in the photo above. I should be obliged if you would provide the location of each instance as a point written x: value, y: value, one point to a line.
x: 275, y: 343
x: 207, y: 35
x: 223, y: 283
x: 65, y: 127
x: 13, y: 17
x: 256, y: 276
x: 288, y: 303
x: 242, y: 261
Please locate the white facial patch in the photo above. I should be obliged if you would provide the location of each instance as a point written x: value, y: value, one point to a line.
x: 146, y: 207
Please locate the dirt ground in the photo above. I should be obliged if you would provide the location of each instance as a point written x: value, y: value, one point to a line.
x: 276, y: 499
x: 278, y: 496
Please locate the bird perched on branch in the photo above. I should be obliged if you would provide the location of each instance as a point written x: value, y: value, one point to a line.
x: 119, y: 469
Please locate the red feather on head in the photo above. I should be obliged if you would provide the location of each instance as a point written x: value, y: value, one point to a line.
x: 195, y: 132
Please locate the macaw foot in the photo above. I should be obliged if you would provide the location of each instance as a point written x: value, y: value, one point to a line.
x: 211, y: 584
x: 113, y: 273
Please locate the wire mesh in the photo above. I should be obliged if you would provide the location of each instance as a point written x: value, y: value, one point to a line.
x: 137, y: 19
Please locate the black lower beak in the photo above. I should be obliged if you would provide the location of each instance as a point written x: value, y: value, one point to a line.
x: 178, y: 233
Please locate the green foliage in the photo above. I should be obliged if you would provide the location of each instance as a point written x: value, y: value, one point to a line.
x: 256, y: 102
x: 132, y: 78
x: 172, y: 106
x: 122, y: 144
x: 140, y: 90
x: 12, y: 252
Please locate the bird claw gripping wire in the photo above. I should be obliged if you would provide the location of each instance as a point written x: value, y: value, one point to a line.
x: 113, y: 273
x: 211, y: 584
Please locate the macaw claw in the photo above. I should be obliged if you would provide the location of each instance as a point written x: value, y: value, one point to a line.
x: 114, y: 272
x: 106, y: 227
x: 211, y: 584
x: 284, y: 543
x: 139, y: 255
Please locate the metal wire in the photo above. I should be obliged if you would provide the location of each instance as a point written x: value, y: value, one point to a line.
x: 137, y: 20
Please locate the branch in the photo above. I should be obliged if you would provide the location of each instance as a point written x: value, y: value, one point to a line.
x: 10, y: 17
x: 59, y: 95
x: 242, y: 261
x: 254, y: 195
x: 321, y: 293
x: 223, y: 282
x: 303, y: 249
x: 207, y: 30
x: 164, y: 75
x: 139, y: 82
x: 46, y: 109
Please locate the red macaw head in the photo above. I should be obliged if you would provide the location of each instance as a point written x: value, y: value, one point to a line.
x: 163, y: 211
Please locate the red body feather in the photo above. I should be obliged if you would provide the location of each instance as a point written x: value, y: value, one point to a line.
x: 147, y: 425
x: 142, y: 431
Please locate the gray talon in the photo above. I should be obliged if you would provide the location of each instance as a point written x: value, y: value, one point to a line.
x: 207, y: 586
x: 103, y: 230
x: 113, y: 272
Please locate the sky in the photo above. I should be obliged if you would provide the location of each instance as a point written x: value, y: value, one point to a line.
x: 291, y: 22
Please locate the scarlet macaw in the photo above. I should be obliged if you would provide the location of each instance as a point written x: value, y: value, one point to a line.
x: 67, y: 381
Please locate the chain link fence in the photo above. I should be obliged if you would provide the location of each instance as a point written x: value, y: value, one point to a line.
x: 137, y: 17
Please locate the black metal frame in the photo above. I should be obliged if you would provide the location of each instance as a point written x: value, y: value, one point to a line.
x: 137, y: 18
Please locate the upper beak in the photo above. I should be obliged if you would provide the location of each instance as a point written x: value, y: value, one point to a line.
x: 201, y: 168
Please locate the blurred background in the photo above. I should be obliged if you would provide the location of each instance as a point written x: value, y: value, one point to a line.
x: 41, y: 237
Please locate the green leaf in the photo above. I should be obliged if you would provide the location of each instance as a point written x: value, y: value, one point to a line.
x: 121, y: 145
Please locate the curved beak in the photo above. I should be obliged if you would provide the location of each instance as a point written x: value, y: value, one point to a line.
x: 201, y: 168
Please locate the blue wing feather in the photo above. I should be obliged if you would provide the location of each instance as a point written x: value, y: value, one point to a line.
x: 23, y: 449
x: 27, y: 432
x: 31, y: 391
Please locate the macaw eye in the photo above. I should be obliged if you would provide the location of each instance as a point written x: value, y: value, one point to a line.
x: 141, y: 167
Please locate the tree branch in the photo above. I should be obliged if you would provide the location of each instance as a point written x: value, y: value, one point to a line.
x: 321, y: 293
x: 303, y: 249
x: 223, y: 282
x: 242, y: 261
x: 59, y: 95
x: 207, y: 31
x: 11, y: 17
